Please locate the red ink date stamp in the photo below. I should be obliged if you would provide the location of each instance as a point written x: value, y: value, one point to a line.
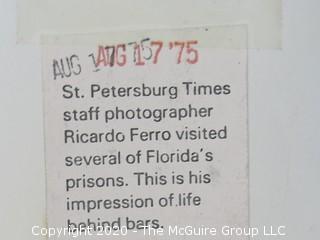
x: 143, y: 52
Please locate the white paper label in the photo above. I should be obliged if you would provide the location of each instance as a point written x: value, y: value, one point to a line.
x: 149, y: 136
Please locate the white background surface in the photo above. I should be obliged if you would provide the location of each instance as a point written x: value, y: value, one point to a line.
x: 283, y: 122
